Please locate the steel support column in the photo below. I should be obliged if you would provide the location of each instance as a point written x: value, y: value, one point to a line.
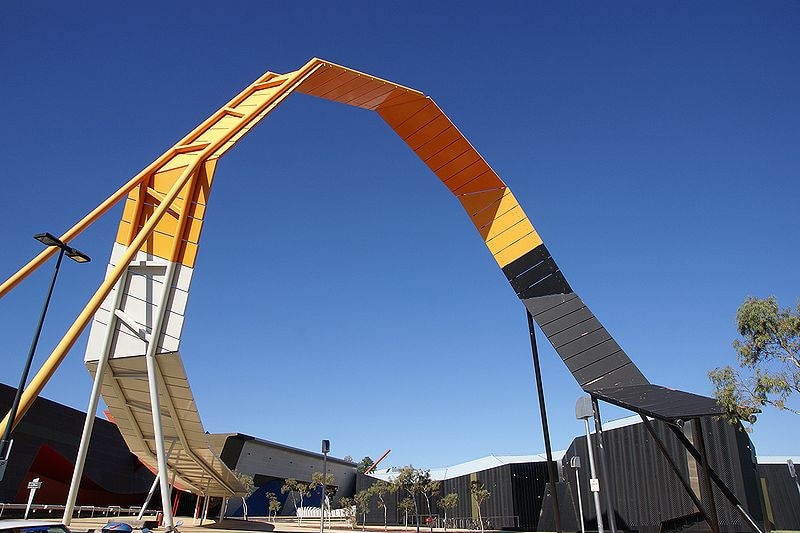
x: 552, y: 473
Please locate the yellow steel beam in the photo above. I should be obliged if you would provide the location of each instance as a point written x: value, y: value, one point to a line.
x: 62, y: 348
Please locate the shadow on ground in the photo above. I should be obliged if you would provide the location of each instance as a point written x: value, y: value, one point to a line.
x: 240, y: 525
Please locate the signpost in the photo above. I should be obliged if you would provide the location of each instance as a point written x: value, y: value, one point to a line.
x: 33, y: 486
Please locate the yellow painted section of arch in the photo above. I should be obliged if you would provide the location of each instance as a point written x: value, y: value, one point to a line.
x: 415, y: 118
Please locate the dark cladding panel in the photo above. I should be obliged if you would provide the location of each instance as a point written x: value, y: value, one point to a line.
x: 553, y: 284
x: 575, y: 332
x: 524, y: 263
x: 659, y: 402
x: 548, y: 308
x: 528, y: 481
x: 567, y: 321
x: 622, y: 376
x: 782, y: 495
x: 590, y: 353
x: 601, y: 366
x: 534, y: 275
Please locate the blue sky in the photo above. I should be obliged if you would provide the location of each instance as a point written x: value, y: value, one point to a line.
x: 341, y: 291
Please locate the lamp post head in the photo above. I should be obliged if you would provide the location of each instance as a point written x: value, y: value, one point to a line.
x: 48, y: 239
x: 77, y: 255
x: 583, y: 408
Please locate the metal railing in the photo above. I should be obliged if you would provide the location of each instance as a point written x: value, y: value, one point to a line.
x: 43, y: 511
x: 472, y: 523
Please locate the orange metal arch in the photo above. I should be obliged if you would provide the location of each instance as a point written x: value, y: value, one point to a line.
x: 166, y: 202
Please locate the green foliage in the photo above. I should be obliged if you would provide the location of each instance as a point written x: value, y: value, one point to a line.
x: 296, y: 489
x: 379, y: 489
x: 768, y: 355
x: 449, y: 501
x: 362, y: 499
x: 407, y: 505
x: 365, y: 463
x: 273, y: 504
x: 480, y: 494
x: 348, y: 505
x: 317, y: 481
x: 247, y: 481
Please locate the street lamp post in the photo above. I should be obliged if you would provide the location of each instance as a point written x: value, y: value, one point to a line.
x: 79, y: 257
x: 326, y: 447
x: 583, y: 411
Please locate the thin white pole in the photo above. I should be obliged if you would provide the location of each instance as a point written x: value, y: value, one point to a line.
x: 196, y: 509
x: 594, y: 480
x: 153, y: 486
x: 155, y: 401
x: 155, y: 406
x: 88, y: 424
x: 580, y: 500
x: 86, y: 436
x: 149, y: 495
x: 204, y: 515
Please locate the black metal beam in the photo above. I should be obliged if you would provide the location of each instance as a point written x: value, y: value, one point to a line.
x: 663, y: 449
x: 552, y: 473
x: 717, y: 480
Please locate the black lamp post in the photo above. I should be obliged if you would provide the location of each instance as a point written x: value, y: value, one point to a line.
x: 326, y: 448
x: 77, y: 256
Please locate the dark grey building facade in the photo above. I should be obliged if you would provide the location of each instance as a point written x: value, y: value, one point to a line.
x: 271, y: 464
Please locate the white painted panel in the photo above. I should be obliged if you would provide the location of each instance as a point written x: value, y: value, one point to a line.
x: 142, y: 312
x: 94, y: 347
x: 183, y: 277
x: 168, y: 344
x: 173, y: 325
x: 126, y: 344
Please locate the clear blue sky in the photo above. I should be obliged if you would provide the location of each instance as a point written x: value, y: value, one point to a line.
x: 654, y: 147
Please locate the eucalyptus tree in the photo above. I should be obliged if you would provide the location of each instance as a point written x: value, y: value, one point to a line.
x: 429, y: 488
x: 768, y: 355
x: 479, y: 494
x: 297, y: 489
x: 381, y: 489
x: 362, y: 498
x: 449, y: 501
x: 273, y: 505
x: 249, y: 486
x: 409, y: 480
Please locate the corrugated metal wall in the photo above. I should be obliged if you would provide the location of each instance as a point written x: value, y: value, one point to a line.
x: 647, y: 490
x: 782, y: 496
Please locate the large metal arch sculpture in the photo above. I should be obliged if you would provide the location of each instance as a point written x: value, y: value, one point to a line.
x: 137, y: 312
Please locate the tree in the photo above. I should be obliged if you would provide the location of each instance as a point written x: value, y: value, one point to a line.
x: 449, y: 501
x: 317, y: 481
x: 429, y: 488
x: 297, y: 489
x: 349, y: 508
x: 362, y: 498
x: 768, y: 355
x: 364, y: 463
x: 380, y: 489
x: 480, y: 494
x: 273, y: 504
x: 406, y: 505
x: 247, y: 481
x: 409, y: 480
